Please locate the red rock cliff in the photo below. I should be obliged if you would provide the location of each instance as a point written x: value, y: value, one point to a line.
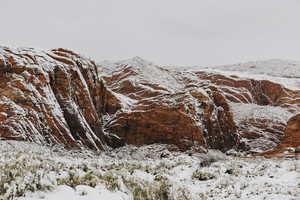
x: 50, y: 97
x: 59, y: 96
x: 244, y: 106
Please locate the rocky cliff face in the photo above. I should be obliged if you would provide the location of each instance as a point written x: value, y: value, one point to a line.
x: 243, y: 106
x: 291, y: 139
x: 50, y: 97
x: 59, y: 96
x: 159, y: 105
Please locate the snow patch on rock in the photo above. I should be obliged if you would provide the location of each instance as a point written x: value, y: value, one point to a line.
x: 243, y: 112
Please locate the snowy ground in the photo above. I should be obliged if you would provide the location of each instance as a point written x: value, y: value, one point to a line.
x: 30, y: 172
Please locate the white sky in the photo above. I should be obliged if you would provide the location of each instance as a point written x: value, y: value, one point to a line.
x: 179, y: 32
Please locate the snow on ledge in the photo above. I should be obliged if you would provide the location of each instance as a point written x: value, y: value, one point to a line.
x: 243, y: 112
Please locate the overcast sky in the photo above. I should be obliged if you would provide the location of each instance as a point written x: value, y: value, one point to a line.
x: 169, y: 32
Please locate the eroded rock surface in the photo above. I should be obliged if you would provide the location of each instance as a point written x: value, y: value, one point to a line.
x: 239, y: 108
x: 61, y: 97
x: 50, y: 97
x: 292, y: 135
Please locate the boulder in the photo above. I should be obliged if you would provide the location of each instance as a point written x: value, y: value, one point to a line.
x: 297, y: 149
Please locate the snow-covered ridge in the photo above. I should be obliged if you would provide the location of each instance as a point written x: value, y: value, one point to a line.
x: 273, y: 67
x: 284, y: 72
x: 146, y: 72
x: 135, y: 62
x: 47, y: 59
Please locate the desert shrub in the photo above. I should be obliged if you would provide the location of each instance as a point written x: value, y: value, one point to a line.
x: 211, y: 157
x: 202, y: 176
x: 141, y: 190
x: 111, y: 181
x: 21, y: 176
x: 91, y: 179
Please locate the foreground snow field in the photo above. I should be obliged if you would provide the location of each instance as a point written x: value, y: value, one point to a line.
x: 30, y: 172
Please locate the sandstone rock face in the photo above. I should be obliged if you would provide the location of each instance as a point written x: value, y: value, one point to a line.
x: 261, y: 108
x: 158, y: 106
x: 290, y: 144
x: 292, y: 133
x: 218, y: 108
x: 61, y: 97
x: 50, y: 97
x: 274, y: 90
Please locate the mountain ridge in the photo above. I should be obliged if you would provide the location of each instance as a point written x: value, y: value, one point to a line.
x: 137, y: 102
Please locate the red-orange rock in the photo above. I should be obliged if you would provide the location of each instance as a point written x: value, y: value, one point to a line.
x: 291, y: 140
x: 61, y: 97
x: 292, y: 133
x: 158, y: 107
x: 50, y: 97
x: 216, y: 109
x: 3, y: 116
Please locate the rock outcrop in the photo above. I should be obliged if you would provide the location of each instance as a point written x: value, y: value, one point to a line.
x: 291, y: 137
x: 290, y: 143
x: 212, y: 107
x: 50, y: 97
x: 61, y: 97
x: 292, y: 132
x: 155, y: 105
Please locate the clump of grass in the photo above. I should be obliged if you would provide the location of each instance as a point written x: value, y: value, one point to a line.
x: 111, y: 181
x: 91, y: 179
x: 24, y: 173
x: 21, y: 176
x: 211, y: 157
x: 159, y: 190
x: 202, y: 176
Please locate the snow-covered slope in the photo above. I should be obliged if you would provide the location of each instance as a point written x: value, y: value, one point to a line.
x: 33, y: 172
x: 244, y: 112
x: 142, y: 71
x: 285, y: 72
x: 273, y: 67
